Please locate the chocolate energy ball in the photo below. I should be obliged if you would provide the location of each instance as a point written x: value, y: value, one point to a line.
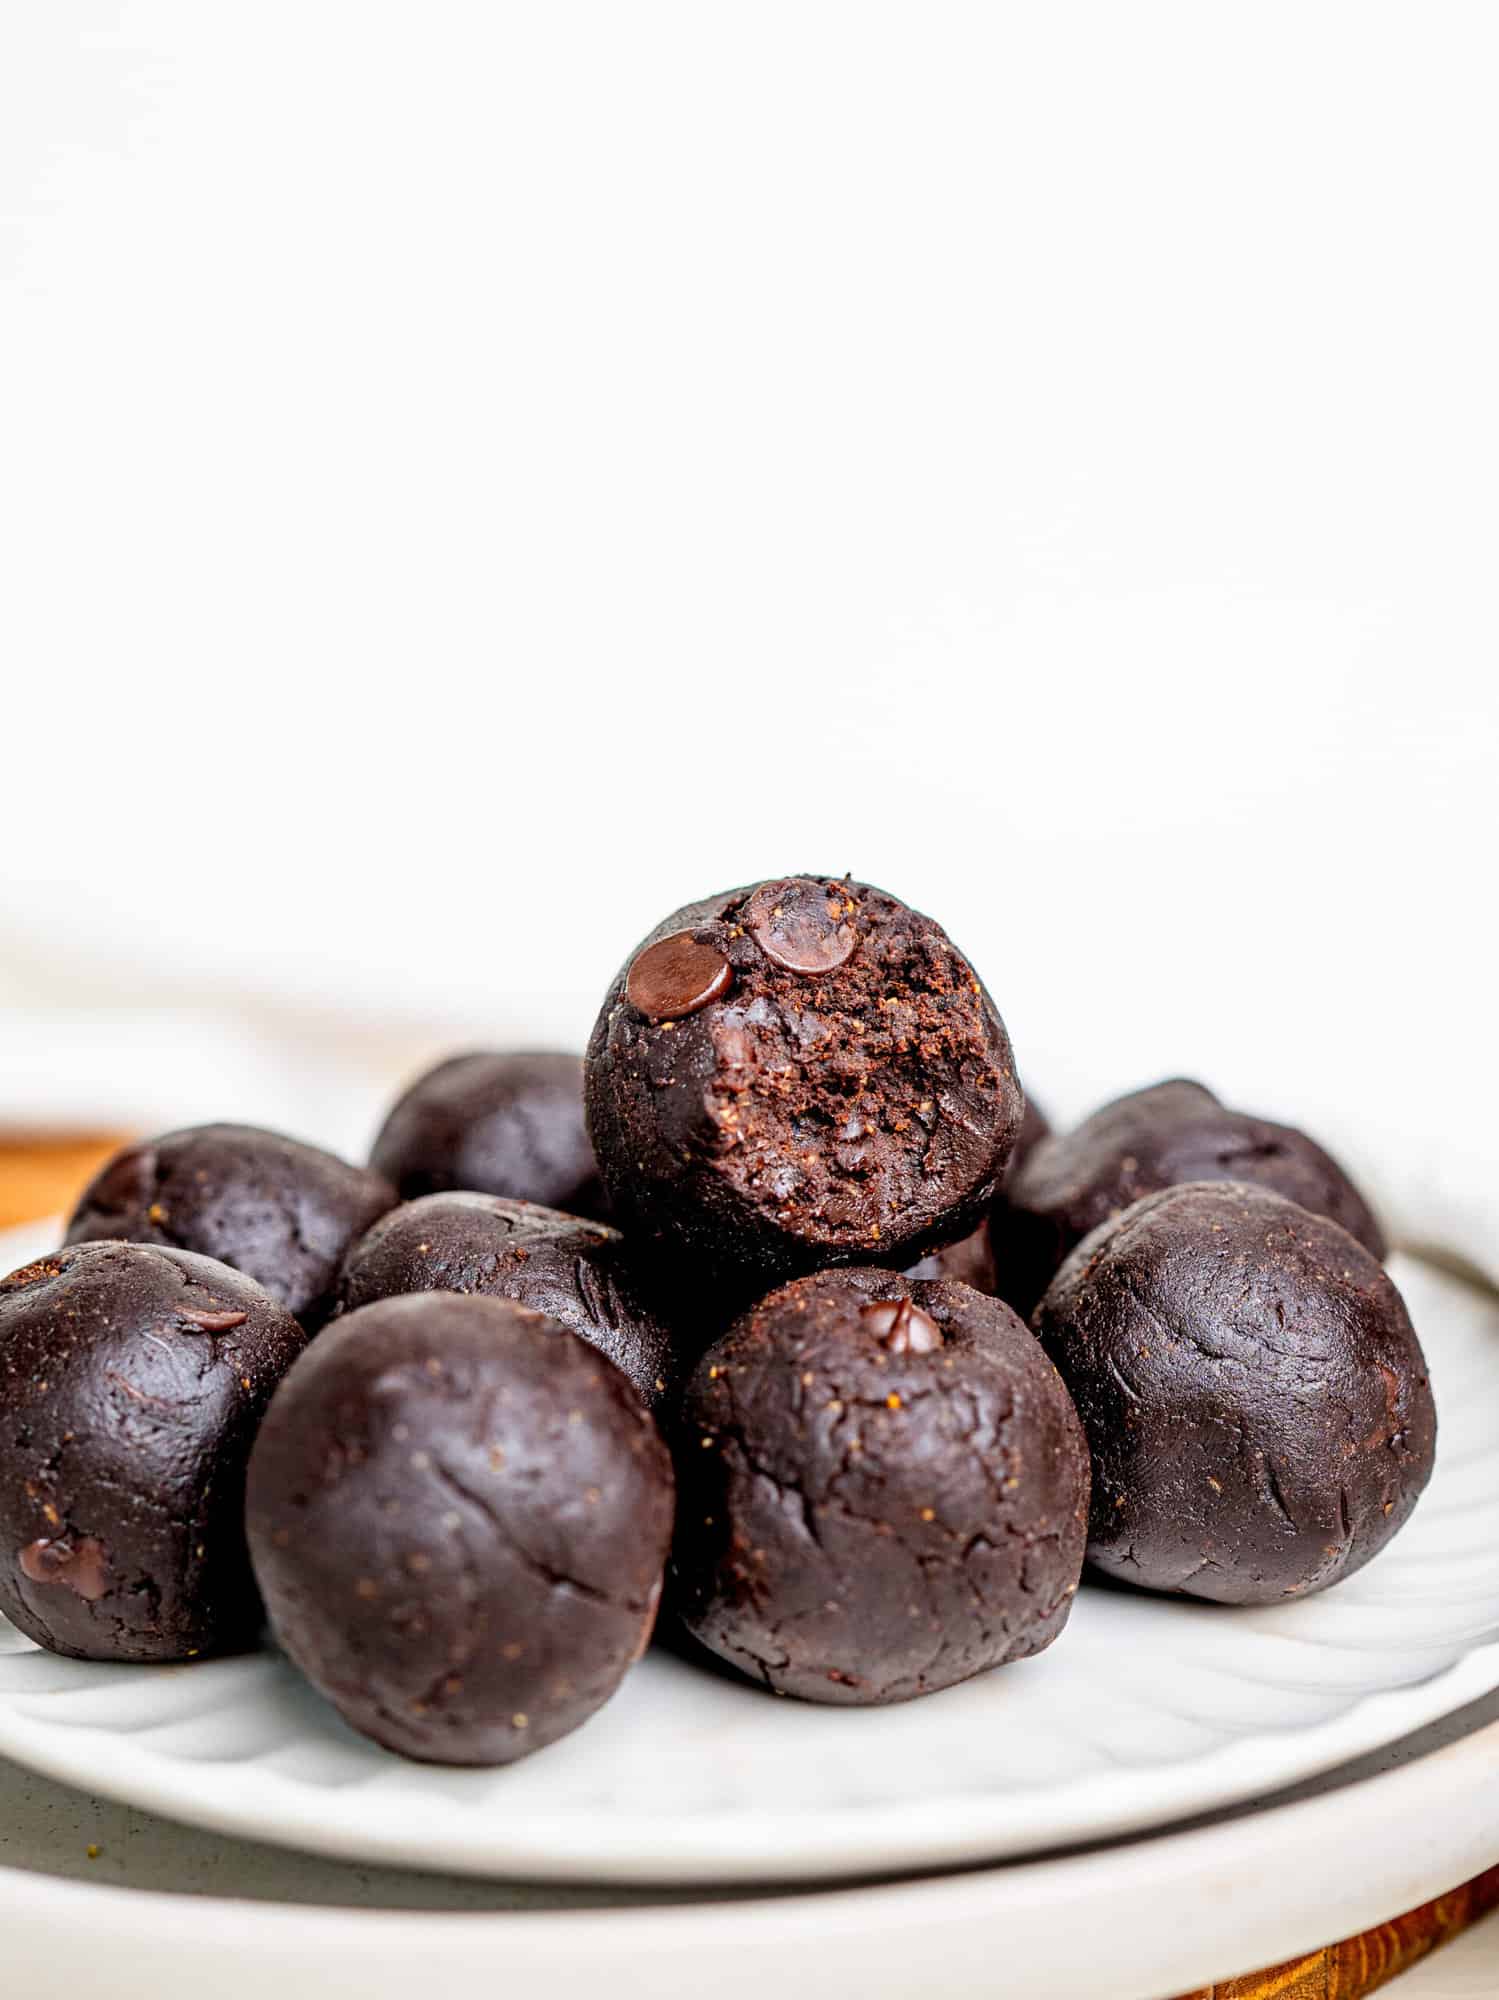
x: 131, y: 1382
x: 459, y: 1512
x: 577, y: 1272
x: 281, y: 1212
x: 799, y: 1074
x: 495, y: 1122
x: 883, y: 1489
x: 1255, y: 1398
x: 1153, y: 1139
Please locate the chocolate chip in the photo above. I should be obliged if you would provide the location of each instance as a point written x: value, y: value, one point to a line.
x: 904, y: 1328
x: 82, y: 1566
x: 803, y: 926
x: 211, y: 1322
x: 677, y: 975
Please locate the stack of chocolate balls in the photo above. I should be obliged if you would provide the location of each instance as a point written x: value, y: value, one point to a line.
x: 726, y: 1317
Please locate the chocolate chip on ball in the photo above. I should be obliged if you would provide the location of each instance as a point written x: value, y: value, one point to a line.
x: 131, y: 1382
x: 883, y: 1489
x: 458, y: 1513
x: 1255, y: 1397
x: 1139, y: 1144
x: 494, y: 1121
x: 580, y: 1273
x: 801, y: 1073
x: 281, y: 1212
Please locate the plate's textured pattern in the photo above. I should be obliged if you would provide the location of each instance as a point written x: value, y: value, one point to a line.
x: 1148, y: 1710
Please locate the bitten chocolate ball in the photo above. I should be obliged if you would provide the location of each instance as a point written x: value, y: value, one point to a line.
x: 1254, y: 1395
x: 1139, y: 1144
x: 458, y: 1513
x: 281, y: 1212
x: 883, y: 1490
x: 131, y: 1383
x: 797, y: 1074
x: 494, y: 1122
x: 577, y: 1272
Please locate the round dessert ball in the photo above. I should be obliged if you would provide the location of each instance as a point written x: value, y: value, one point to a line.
x: 281, y: 1212
x: 883, y: 1489
x: 1254, y: 1395
x: 1153, y: 1139
x: 131, y: 1382
x: 799, y: 1074
x: 497, y: 1122
x: 577, y: 1272
x: 459, y: 1512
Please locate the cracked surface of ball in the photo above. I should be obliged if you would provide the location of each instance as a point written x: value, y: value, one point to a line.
x: 1254, y: 1394
x: 458, y: 1513
x: 883, y: 1489
x: 506, y: 1122
x: 282, y: 1212
x: 131, y: 1382
x: 801, y: 1073
x: 580, y: 1273
x: 1070, y: 1182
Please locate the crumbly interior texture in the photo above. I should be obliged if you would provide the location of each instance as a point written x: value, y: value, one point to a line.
x: 862, y: 1113
x: 1137, y: 1145
x: 458, y: 1513
x: 497, y: 1122
x: 580, y: 1273
x: 858, y: 1524
x: 1253, y: 1391
x: 281, y: 1212
x: 132, y: 1379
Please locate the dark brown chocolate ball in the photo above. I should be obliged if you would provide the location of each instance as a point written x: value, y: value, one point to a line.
x: 883, y: 1490
x: 1137, y: 1145
x: 459, y: 1512
x: 797, y: 1074
x: 496, y: 1122
x: 131, y: 1383
x: 1255, y: 1398
x: 281, y: 1212
x: 580, y: 1273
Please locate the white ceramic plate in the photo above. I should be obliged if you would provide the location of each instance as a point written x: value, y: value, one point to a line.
x: 1162, y: 1915
x: 1146, y: 1711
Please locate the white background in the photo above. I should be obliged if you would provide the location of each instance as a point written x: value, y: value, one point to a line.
x: 474, y: 477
